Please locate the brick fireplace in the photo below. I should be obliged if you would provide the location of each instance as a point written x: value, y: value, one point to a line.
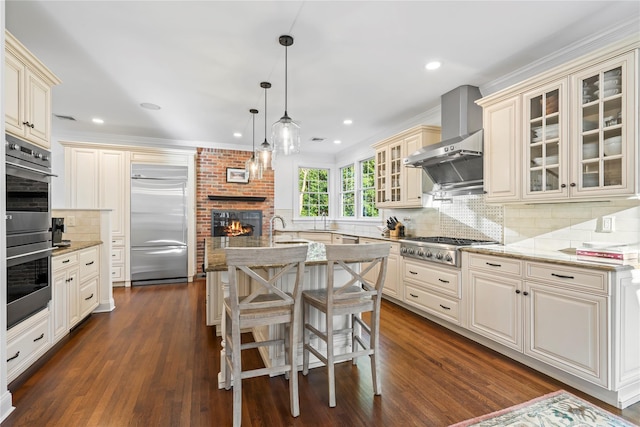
x: 211, y: 179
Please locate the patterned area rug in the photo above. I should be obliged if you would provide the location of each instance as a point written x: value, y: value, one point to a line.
x: 557, y: 409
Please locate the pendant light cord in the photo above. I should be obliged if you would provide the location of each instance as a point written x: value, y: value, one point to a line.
x: 286, y: 78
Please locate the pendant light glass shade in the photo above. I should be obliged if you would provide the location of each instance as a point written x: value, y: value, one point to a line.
x: 265, y: 149
x: 253, y: 165
x: 285, y: 133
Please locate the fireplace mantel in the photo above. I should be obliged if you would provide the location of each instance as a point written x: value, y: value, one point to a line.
x: 238, y: 198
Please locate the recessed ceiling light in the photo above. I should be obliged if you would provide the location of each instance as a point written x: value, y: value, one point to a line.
x: 433, y: 65
x: 348, y: 122
x: 150, y: 106
x: 97, y: 121
x: 337, y: 141
x: 237, y: 134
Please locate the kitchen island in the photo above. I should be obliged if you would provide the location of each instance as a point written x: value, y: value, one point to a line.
x: 315, y: 275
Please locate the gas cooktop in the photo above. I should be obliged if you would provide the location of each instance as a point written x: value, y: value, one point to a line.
x: 442, y: 250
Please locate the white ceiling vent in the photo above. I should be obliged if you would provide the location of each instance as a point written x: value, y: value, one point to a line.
x: 61, y: 117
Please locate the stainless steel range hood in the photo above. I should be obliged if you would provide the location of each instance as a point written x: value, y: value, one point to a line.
x: 455, y: 164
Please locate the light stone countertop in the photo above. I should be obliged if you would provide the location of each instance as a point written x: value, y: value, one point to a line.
x: 567, y: 258
x: 75, y: 246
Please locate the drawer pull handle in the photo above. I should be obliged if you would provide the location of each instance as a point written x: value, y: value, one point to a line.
x: 443, y: 281
x: 412, y: 272
x: 39, y: 338
x: 445, y: 307
x: 70, y: 279
x: 89, y: 263
x: 413, y: 295
x: 14, y: 357
x: 493, y: 265
x: 562, y: 276
x: 89, y: 297
x: 66, y: 261
x: 113, y: 255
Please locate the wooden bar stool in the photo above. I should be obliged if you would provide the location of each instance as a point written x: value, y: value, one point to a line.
x: 266, y: 305
x: 358, y: 294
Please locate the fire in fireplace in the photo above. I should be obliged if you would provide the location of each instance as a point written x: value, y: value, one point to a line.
x: 232, y: 223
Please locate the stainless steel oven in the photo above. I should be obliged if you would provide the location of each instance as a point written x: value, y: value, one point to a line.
x: 28, y: 228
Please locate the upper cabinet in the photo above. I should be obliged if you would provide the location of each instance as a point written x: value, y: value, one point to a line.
x: 569, y: 134
x: 27, y: 94
x: 398, y: 186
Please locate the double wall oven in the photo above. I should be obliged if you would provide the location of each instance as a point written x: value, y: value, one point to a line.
x: 28, y: 222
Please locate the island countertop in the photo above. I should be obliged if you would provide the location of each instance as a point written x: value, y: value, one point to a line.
x: 215, y: 260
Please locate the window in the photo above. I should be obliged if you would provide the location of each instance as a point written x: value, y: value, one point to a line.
x: 367, y: 188
x: 347, y: 191
x: 313, y: 189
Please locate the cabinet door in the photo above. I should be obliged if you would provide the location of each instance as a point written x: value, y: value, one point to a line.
x: 38, y: 110
x: 568, y: 330
x: 605, y: 125
x: 382, y: 166
x: 14, y: 76
x: 395, y: 182
x: 413, y: 176
x: 495, y: 308
x: 546, y: 142
x: 502, y: 168
x: 81, y: 173
x: 73, y: 297
x: 59, y: 305
x: 114, y: 182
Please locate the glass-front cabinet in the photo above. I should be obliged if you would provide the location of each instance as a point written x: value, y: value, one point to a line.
x: 603, y: 128
x: 546, y: 139
x: 388, y: 175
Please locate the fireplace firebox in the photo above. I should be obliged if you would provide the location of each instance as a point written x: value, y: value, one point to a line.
x: 232, y: 223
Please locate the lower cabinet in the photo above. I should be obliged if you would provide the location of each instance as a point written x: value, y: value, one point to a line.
x: 433, y: 289
x: 26, y: 342
x: 564, y: 316
x: 392, y: 281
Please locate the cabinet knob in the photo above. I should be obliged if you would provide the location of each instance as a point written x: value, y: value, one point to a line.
x: 517, y: 291
x: 563, y: 186
x: 525, y: 293
x: 573, y: 184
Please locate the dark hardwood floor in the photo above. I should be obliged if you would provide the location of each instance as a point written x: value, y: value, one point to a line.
x: 153, y: 362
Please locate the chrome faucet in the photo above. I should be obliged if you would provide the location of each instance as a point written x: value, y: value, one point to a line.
x: 284, y: 224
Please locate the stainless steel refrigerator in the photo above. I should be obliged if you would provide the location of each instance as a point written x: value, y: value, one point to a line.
x: 158, y: 224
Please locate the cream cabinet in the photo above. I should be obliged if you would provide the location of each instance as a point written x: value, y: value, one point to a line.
x: 64, y: 304
x: 433, y: 289
x: 320, y: 236
x: 392, y: 281
x: 556, y: 314
x: 569, y: 134
x: 395, y: 184
x: 27, y: 342
x: 100, y: 178
x: 76, y: 284
x: 27, y: 94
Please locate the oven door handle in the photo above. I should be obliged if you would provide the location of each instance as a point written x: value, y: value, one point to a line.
x: 27, y: 168
x: 41, y: 251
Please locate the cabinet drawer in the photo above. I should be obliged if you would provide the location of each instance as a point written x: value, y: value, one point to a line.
x: 568, y: 277
x: 89, y: 263
x: 27, y: 343
x: 117, y: 241
x: 117, y: 254
x: 495, y: 264
x: 117, y: 273
x: 446, y: 308
x: 63, y: 261
x: 88, y: 297
x: 439, y: 279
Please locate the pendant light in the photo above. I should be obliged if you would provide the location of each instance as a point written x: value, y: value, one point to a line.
x: 253, y: 165
x: 285, y: 133
x: 265, y: 149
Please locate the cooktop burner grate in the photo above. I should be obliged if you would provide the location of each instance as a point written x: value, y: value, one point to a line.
x: 456, y: 241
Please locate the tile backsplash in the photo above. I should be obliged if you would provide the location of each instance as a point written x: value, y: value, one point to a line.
x: 80, y: 225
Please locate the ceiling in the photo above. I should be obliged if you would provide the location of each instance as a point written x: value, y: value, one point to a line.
x: 202, y: 61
